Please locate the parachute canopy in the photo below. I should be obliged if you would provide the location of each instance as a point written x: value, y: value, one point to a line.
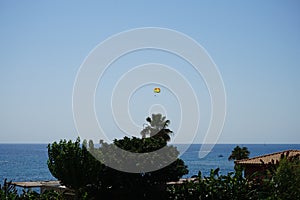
x: 156, y: 90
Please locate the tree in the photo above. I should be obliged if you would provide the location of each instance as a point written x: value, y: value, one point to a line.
x: 157, y: 127
x: 76, y: 168
x: 216, y: 186
x: 284, y: 179
x: 239, y: 153
x: 149, y: 185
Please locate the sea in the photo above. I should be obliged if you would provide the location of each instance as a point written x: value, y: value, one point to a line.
x: 28, y: 162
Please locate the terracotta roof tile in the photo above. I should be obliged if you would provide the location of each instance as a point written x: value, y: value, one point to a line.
x: 267, y: 158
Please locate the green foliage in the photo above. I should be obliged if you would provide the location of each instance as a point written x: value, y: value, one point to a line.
x: 47, y: 195
x: 157, y: 127
x: 76, y: 168
x: 73, y: 165
x: 170, y: 173
x: 9, y: 192
x: 239, y: 153
x: 280, y: 182
x: 230, y: 186
x: 287, y: 178
x: 80, y: 167
x: 284, y: 180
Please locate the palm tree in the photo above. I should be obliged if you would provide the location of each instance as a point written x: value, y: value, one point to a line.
x: 157, y: 127
x: 239, y: 153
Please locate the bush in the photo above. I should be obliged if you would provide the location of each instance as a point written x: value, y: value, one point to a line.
x: 75, y: 167
x: 230, y: 186
x: 9, y: 192
x: 284, y: 181
x: 281, y: 181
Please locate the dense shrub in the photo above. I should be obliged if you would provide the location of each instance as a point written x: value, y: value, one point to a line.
x: 75, y: 167
x: 9, y: 192
x: 215, y: 186
x: 280, y: 182
x: 88, y: 169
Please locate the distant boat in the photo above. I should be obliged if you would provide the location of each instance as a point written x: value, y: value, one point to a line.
x: 220, y: 156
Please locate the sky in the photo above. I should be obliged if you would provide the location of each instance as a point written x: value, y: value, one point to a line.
x: 255, y: 45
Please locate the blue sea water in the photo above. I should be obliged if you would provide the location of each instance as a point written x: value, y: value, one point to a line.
x: 24, y: 162
x: 28, y: 162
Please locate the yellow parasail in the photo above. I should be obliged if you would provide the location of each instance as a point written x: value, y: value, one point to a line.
x: 156, y: 90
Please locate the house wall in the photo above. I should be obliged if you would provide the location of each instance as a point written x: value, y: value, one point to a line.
x: 255, y: 171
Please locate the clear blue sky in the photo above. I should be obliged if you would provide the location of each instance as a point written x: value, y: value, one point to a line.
x: 255, y: 44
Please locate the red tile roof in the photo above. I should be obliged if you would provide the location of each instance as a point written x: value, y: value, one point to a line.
x: 265, y: 159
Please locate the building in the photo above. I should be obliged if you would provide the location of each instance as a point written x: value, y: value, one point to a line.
x: 264, y: 162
